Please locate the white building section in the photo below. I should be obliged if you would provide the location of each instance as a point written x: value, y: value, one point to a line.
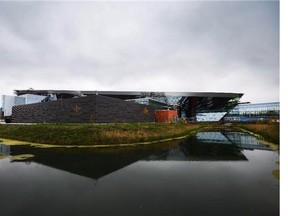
x: 9, y: 101
x: 31, y: 98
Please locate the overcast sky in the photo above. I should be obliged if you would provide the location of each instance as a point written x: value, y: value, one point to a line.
x: 223, y: 46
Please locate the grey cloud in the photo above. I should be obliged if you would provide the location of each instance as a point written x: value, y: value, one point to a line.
x: 191, y: 46
x: 243, y: 31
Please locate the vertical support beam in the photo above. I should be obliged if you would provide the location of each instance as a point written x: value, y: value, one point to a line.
x: 193, y: 105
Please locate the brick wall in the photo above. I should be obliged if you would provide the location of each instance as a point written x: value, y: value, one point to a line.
x: 90, y: 109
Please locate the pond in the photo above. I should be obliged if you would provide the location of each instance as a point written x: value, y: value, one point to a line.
x: 210, y: 173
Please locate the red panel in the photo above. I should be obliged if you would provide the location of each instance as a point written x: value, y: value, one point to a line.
x: 167, y: 116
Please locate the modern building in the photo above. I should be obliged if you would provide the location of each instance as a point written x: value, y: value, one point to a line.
x: 122, y: 106
x: 127, y: 106
x: 254, y: 112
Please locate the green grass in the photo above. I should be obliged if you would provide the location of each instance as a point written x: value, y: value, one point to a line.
x: 95, y: 134
x: 120, y: 133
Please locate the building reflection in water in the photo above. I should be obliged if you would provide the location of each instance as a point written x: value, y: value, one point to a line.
x: 96, y: 163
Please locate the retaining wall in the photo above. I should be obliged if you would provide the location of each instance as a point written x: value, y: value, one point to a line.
x: 89, y: 109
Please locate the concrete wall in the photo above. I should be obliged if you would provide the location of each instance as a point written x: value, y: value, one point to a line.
x: 90, y: 109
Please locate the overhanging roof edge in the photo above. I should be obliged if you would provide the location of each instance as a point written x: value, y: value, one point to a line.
x: 135, y: 93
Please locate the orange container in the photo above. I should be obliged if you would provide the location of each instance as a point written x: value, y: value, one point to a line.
x: 166, y: 116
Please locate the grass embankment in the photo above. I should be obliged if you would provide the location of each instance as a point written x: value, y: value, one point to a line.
x: 101, y: 134
x: 269, y: 131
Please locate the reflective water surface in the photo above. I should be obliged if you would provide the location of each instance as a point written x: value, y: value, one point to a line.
x: 211, y: 173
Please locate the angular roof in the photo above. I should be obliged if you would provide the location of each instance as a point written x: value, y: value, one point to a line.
x: 129, y: 94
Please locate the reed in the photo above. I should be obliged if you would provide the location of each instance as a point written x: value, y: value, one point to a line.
x: 269, y: 131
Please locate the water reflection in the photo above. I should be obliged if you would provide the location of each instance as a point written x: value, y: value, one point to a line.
x: 96, y: 163
x: 4, y: 150
x: 214, y: 146
x: 88, y: 162
x: 242, y: 140
x: 211, y: 173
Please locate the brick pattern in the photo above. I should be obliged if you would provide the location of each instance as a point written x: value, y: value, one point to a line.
x: 90, y: 109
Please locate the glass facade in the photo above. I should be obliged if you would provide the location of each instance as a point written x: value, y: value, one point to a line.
x: 213, y: 109
x: 30, y: 98
x: 167, y: 100
x: 151, y: 102
x: 254, y: 112
x: 200, y: 109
